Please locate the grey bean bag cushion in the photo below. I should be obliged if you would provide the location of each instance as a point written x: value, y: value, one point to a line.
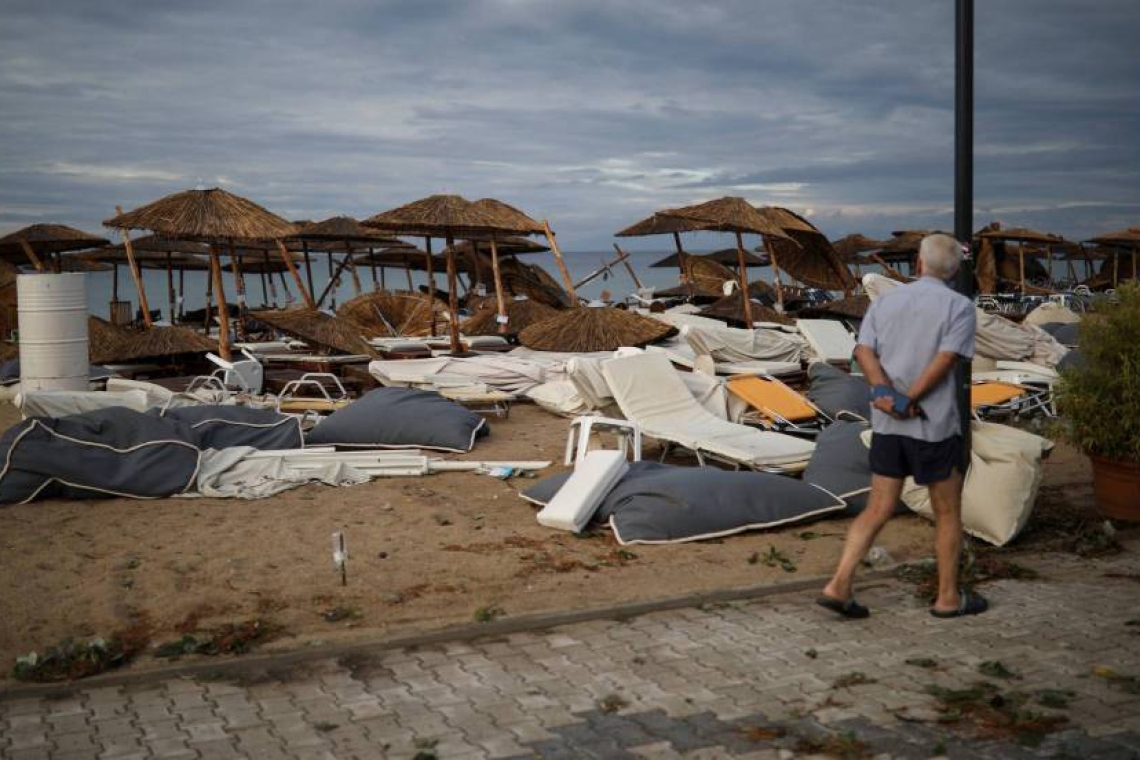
x: 220, y: 427
x: 108, y: 452
x: 1065, y: 333
x: 836, y: 392
x: 659, y: 503
x: 841, y: 464
x: 392, y: 418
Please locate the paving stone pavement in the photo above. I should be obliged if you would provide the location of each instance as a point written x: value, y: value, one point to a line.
x: 753, y: 679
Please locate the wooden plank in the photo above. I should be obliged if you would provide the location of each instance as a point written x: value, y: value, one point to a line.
x: 452, y: 297
x: 628, y: 268
x: 31, y: 254
x: 743, y: 274
x: 561, y: 263
x: 305, y: 294
x: 223, y: 307
x: 135, y: 274
x: 499, y: 300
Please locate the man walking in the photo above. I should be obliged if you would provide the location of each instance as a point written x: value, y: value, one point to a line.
x: 909, y: 343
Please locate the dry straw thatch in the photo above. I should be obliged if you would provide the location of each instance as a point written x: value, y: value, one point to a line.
x: 521, y: 314
x: 48, y: 238
x: 851, y: 246
x: 807, y: 254
x: 593, y: 328
x: 109, y: 344
x: 854, y: 307
x: 726, y: 256
x: 441, y: 215
x: 731, y: 309
x: 208, y: 215
x: 343, y: 229
x: 1128, y: 237
x: 728, y: 214
x: 323, y: 332
x: 1022, y: 235
x: 394, y: 314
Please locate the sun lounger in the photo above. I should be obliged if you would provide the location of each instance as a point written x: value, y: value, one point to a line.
x: 683, y: 356
x: 830, y: 340
x: 777, y: 406
x: 292, y: 398
x: 649, y: 392
x: 996, y: 398
x: 577, y: 500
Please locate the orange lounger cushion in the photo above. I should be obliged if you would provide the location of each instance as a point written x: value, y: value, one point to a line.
x: 994, y: 393
x: 772, y: 398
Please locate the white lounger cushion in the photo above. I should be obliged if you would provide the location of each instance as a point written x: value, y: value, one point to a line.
x: 577, y: 500
x: 683, y: 355
x: 729, y: 344
x: 649, y: 393
x: 830, y: 340
x: 63, y: 403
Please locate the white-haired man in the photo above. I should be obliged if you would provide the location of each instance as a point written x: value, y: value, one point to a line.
x: 909, y: 343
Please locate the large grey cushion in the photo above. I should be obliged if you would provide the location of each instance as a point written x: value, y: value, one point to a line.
x: 836, y: 392
x: 220, y: 427
x: 1065, y: 333
x: 107, y: 452
x: 400, y: 418
x: 841, y: 464
x: 659, y: 503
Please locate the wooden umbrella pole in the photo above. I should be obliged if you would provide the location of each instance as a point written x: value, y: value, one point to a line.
x: 352, y: 270
x: 452, y: 296
x: 135, y: 274
x: 31, y: 254
x: 307, y: 295
x: 181, y: 292
x: 239, y: 285
x: 408, y: 274
x: 561, y: 263
x: 267, y: 274
x: 680, y: 256
x: 628, y: 268
x: 372, y: 266
x: 114, y: 282
x: 502, y: 304
x: 264, y: 288
x: 744, y: 281
x: 284, y: 286
x: 430, y: 266
x: 333, y: 276
x: 209, y: 298
x: 223, y: 307
x: 308, y: 273
x: 170, y: 284
x: 332, y: 282
x: 383, y: 278
x: 776, y: 271
x: 1021, y: 265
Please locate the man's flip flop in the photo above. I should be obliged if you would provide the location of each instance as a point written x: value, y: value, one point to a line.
x: 969, y: 604
x: 848, y: 609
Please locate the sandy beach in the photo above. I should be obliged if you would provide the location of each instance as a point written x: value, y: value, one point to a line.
x: 424, y: 553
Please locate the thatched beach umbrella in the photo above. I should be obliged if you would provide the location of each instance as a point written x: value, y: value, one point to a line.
x: 112, y: 344
x: 451, y: 216
x: 1127, y: 238
x: 1024, y: 236
x: 318, y: 329
x: 396, y: 314
x: 593, y: 328
x: 852, y: 307
x: 732, y: 308
x: 343, y: 232
x: 523, y: 312
x: 39, y: 241
x: 218, y: 218
x: 805, y: 253
x: 153, y: 252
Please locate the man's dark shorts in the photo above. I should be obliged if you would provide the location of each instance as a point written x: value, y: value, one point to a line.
x: 899, y: 456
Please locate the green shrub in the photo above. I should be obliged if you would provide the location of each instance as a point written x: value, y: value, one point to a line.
x: 1099, y: 398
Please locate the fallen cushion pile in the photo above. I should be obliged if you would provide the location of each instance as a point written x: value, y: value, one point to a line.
x: 395, y: 418
x: 659, y: 503
x: 220, y: 427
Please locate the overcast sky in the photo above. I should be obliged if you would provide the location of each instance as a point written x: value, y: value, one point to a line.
x: 590, y: 113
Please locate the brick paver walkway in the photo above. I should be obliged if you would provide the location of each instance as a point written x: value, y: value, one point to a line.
x: 754, y: 679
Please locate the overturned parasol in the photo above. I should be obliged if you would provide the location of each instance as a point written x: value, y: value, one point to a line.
x: 585, y: 329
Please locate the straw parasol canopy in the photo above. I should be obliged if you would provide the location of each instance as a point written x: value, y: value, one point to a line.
x: 393, y: 314
x: 110, y: 344
x: 585, y: 329
x: 212, y: 216
x: 853, y: 307
x: 452, y: 216
x: 731, y: 309
x: 336, y: 334
x: 707, y: 275
x: 522, y: 313
x: 725, y: 257
x: 1125, y: 238
x: 852, y: 245
x: 33, y: 243
x: 1022, y: 235
x: 811, y: 259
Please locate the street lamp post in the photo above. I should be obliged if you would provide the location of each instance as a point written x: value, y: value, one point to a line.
x: 964, y: 186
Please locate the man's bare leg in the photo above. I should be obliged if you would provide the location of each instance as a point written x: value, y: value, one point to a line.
x: 861, y: 535
x: 946, y: 502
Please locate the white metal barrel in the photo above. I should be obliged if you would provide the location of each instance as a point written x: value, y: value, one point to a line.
x: 53, y: 331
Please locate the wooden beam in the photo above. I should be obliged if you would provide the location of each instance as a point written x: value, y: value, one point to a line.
x: 31, y: 254
x: 561, y: 263
x: 136, y: 275
x: 332, y: 280
x: 452, y: 296
x: 743, y: 274
x: 223, y: 307
x: 352, y: 269
x: 680, y: 257
x: 170, y: 285
x: 431, y: 281
x: 288, y: 259
x: 308, y: 271
x: 622, y: 257
x: 499, y: 300
x: 628, y: 268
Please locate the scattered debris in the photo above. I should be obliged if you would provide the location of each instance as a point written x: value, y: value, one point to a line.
x: 811, y: 654
x: 776, y: 558
x: 852, y: 679
x: 845, y: 746
x: 764, y: 733
x: 70, y: 660
x: 1127, y: 684
x: 324, y: 727
x: 995, y: 669
x: 341, y: 613
x: 976, y: 570
x: 1058, y: 699
x: 753, y: 558
x: 995, y: 714
x: 1095, y: 539
x: 231, y: 638
x: 923, y: 662
x: 489, y: 613
x: 877, y: 557
x: 611, y: 703
x: 425, y: 749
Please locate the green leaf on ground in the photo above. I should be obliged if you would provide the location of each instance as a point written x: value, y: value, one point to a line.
x: 923, y: 662
x: 995, y: 669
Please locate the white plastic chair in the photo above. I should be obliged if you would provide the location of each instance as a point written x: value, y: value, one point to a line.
x: 581, y: 428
